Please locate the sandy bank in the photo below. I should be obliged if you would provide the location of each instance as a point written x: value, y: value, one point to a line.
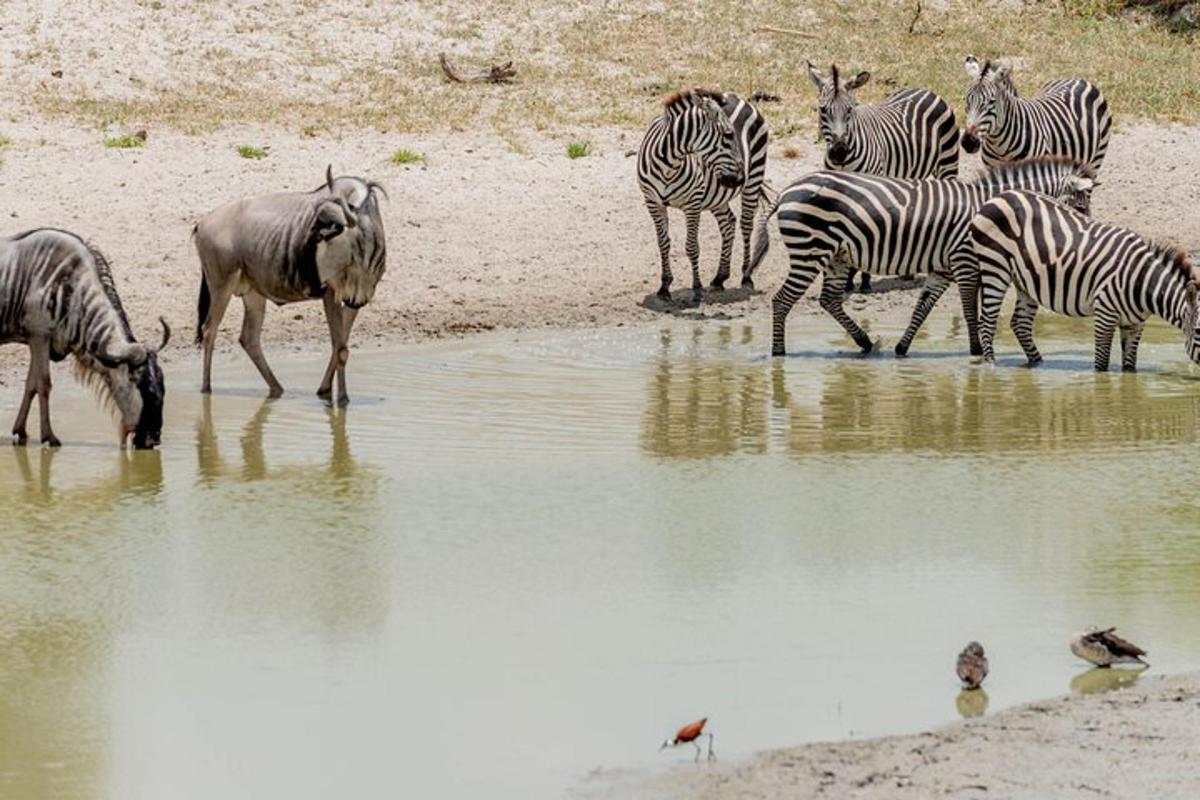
x: 1139, y: 742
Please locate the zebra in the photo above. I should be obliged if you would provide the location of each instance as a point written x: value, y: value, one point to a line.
x: 287, y: 247
x: 909, y: 134
x: 1060, y: 259
x: 704, y: 148
x: 891, y: 226
x: 1065, y: 118
x: 57, y: 296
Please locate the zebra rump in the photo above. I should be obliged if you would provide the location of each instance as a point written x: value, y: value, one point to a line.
x: 1059, y: 259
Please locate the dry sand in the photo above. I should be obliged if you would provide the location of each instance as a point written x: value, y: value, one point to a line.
x: 1136, y: 743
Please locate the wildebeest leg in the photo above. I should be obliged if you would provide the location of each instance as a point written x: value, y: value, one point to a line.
x: 341, y: 320
x: 728, y: 225
x: 251, y: 339
x: 221, y: 295
x: 935, y: 285
x: 19, y: 434
x: 833, y: 298
x: 42, y: 354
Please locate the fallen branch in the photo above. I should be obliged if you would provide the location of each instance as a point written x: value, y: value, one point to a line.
x: 497, y: 73
x: 787, y: 32
x: 912, y: 26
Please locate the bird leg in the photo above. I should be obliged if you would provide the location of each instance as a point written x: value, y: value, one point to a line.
x: 697, y: 746
x: 711, y: 755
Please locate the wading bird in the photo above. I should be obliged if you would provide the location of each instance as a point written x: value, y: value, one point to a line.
x: 690, y: 734
x: 1104, y: 648
x: 972, y: 666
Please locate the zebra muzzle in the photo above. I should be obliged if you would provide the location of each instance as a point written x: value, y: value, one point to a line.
x: 970, y: 141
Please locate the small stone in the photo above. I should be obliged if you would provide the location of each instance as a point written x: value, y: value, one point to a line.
x: 56, y: 73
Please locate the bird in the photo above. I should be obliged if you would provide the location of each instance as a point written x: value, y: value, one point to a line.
x: 972, y: 666
x: 690, y: 734
x: 1104, y: 648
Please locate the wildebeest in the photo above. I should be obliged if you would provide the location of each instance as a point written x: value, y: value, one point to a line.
x: 58, y: 297
x: 288, y: 247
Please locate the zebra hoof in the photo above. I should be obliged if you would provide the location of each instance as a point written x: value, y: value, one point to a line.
x: 664, y: 294
x: 976, y: 350
x: 1033, y: 362
x: 777, y: 352
x: 718, y: 285
x: 748, y: 284
x: 901, y: 350
x: 697, y: 295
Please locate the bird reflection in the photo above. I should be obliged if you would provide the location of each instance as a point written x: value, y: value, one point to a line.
x: 972, y: 703
x: 1102, y: 679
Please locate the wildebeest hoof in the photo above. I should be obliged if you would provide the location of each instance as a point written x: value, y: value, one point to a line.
x: 19, y: 438
x: 325, y: 392
x: 343, y: 401
x: 275, y: 393
x: 51, y: 441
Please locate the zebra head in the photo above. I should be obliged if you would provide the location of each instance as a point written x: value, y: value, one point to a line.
x: 1191, y: 307
x: 987, y: 81
x: 134, y: 381
x: 835, y: 106
x: 700, y: 127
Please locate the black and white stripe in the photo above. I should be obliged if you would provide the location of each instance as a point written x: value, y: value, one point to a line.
x: 888, y: 226
x: 704, y: 149
x: 1068, y: 118
x: 1059, y: 259
x: 909, y: 134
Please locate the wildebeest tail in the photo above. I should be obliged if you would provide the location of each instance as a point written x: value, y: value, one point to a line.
x: 202, y: 308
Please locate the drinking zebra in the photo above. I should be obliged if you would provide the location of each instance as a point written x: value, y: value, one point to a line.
x: 704, y: 149
x: 909, y: 134
x: 888, y: 226
x: 1065, y: 118
x: 1060, y: 259
x: 58, y: 297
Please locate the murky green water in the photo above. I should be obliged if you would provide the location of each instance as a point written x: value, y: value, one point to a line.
x: 517, y: 559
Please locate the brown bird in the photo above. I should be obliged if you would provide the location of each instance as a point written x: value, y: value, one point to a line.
x: 690, y: 734
x: 972, y: 666
x: 1104, y: 648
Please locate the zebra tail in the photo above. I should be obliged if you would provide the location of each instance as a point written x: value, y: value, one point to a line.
x: 762, y: 237
x: 202, y: 305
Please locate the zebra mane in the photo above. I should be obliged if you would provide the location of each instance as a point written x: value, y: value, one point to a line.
x: 1176, y: 258
x: 686, y: 98
x: 104, y: 273
x: 1006, y: 170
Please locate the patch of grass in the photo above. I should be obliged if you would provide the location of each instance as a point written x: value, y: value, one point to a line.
x: 791, y: 151
x: 578, y: 150
x: 5, y: 141
x: 123, y: 142
x: 251, y: 151
x: 405, y: 156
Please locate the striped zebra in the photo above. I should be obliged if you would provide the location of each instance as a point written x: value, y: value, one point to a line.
x: 1060, y: 259
x: 889, y: 226
x: 909, y: 134
x: 704, y: 148
x: 1067, y: 118
x: 58, y: 297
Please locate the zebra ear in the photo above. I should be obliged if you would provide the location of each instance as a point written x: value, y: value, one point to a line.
x: 1190, y: 294
x: 1002, y: 72
x: 858, y: 80
x: 815, y: 74
x: 971, y: 65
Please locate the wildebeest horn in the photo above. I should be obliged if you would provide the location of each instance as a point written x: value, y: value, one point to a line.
x: 329, y: 176
x: 351, y: 217
x: 166, y: 334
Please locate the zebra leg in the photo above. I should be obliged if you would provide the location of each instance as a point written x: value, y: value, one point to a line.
x: 658, y: 213
x: 966, y: 275
x: 995, y: 279
x: 1022, y: 327
x: 833, y: 298
x: 1105, y: 326
x: 251, y: 339
x: 693, y: 252
x: 728, y: 225
x: 935, y: 285
x: 800, y: 277
x: 751, y: 197
x: 1131, y: 336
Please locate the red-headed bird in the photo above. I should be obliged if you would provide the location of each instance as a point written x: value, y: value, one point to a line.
x: 690, y: 734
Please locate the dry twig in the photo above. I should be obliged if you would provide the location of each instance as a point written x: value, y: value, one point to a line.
x: 497, y: 73
x: 786, y: 31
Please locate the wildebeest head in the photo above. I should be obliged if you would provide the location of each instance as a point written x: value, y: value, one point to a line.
x: 136, y: 386
x: 349, y: 231
x: 835, y: 104
x: 988, y: 79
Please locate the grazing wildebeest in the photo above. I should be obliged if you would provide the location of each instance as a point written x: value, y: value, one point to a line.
x: 288, y: 247
x: 58, y: 297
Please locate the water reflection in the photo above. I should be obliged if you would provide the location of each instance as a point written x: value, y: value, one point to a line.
x: 1105, y: 679
x: 971, y: 703
x: 705, y: 401
x: 713, y: 397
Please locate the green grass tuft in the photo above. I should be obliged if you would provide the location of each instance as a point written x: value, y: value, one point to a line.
x: 403, y: 156
x: 250, y: 151
x: 123, y: 142
x: 578, y: 150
